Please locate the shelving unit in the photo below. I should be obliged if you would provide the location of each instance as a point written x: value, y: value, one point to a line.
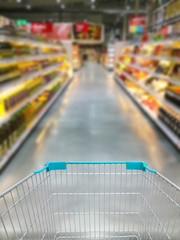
x: 18, y: 59
x: 152, y: 116
x: 25, y: 134
x: 162, y: 95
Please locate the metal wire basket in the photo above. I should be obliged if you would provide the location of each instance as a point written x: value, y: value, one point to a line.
x: 91, y: 200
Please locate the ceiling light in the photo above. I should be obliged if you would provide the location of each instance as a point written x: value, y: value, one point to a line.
x: 93, y: 0
x: 63, y: 6
x: 28, y: 6
x: 58, y: 1
x: 18, y: 1
x: 93, y: 6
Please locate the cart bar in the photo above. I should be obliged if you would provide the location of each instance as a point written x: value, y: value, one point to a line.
x: 130, y: 165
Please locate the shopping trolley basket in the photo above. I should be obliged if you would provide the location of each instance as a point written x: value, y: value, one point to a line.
x: 91, y: 200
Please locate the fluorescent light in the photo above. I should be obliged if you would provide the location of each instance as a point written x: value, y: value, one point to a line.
x: 93, y: 0
x: 63, y: 6
x: 18, y: 1
x: 28, y: 6
x: 58, y: 1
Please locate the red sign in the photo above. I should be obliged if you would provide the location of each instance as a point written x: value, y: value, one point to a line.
x: 137, y: 23
x: 81, y: 27
x: 61, y: 31
x: 38, y: 27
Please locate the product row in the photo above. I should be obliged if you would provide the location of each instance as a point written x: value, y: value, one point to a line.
x: 9, y: 72
x: 10, y: 50
x: 166, y: 49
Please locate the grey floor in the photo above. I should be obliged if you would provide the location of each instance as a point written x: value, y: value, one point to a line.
x: 94, y: 120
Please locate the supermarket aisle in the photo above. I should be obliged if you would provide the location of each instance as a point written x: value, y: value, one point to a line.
x: 94, y: 120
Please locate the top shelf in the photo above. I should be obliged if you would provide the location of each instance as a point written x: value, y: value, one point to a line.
x: 27, y: 41
x: 162, y: 6
x: 164, y: 23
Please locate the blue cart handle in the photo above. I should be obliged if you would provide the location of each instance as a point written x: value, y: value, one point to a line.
x: 130, y: 165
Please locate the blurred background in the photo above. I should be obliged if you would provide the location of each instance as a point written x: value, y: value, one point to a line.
x: 89, y: 80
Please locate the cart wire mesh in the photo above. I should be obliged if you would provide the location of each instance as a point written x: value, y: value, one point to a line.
x: 93, y: 200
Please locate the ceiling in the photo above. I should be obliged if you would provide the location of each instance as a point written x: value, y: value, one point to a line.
x: 69, y: 10
x: 108, y: 12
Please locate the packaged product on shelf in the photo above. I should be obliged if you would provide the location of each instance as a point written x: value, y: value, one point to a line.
x: 157, y: 85
x: 164, y: 67
x: 175, y: 73
x: 173, y: 94
x: 170, y: 119
x: 27, y: 67
x: 9, y: 72
x: 6, y: 50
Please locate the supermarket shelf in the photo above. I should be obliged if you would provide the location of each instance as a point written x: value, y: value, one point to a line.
x: 171, y: 59
x: 28, y: 58
x: 162, y: 6
x: 7, y: 85
x: 164, y: 22
x: 164, y: 102
x: 27, y: 41
x: 8, y: 116
x: 174, y: 139
x: 22, y: 138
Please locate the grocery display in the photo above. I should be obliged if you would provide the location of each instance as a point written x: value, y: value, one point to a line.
x: 77, y: 59
x: 107, y: 57
x: 153, y: 68
x: 32, y: 75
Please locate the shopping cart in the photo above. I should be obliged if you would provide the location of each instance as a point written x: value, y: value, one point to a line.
x: 91, y: 200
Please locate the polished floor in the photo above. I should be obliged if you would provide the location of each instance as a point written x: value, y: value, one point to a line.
x: 94, y: 120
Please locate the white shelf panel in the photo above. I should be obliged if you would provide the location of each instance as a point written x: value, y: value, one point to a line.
x: 152, y: 115
x: 13, y: 83
x: 19, y: 106
x: 21, y: 139
x: 28, y: 58
x: 27, y: 41
x: 171, y: 59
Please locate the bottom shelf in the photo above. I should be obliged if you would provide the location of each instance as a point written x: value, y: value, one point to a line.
x: 174, y: 139
x: 25, y: 134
